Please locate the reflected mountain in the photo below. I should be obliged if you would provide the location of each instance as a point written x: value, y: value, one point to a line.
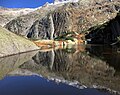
x: 10, y: 63
x: 74, y: 64
x: 109, y: 54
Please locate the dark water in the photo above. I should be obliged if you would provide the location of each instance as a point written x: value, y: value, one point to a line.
x: 107, y: 53
x: 92, y: 66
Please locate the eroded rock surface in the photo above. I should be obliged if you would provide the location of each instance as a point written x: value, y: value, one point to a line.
x: 10, y: 43
x: 8, y: 14
x: 68, y: 17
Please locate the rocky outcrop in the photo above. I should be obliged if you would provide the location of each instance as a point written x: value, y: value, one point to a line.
x: 76, y: 17
x: 8, y: 14
x: 107, y: 33
x: 10, y: 43
x: 22, y: 24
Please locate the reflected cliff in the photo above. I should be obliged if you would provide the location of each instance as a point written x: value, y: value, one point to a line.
x: 109, y: 54
x: 10, y: 63
x: 89, y: 65
x: 78, y: 63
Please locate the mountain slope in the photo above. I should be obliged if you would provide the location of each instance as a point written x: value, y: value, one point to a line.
x: 8, y: 14
x: 74, y: 18
x: 12, y: 44
x: 22, y: 24
x: 68, y: 17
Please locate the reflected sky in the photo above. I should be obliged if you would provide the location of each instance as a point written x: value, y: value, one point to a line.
x: 35, y: 85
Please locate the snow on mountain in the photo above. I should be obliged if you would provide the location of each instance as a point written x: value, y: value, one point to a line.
x: 15, y: 11
x: 64, y: 1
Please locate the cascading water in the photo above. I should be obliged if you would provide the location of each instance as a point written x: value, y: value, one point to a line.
x: 51, y: 27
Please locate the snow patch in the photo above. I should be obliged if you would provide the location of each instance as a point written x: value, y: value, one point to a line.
x: 64, y: 1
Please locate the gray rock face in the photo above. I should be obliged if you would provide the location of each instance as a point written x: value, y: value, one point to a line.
x: 22, y: 24
x: 69, y: 17
x: 12, y: 44
x: 8, y: 14
x: 41, y: 29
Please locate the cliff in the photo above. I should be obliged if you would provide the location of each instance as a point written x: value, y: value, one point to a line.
x: 8, y: 14
x: 69, y: 17
x: 22, y: 24
x: 10, y: 43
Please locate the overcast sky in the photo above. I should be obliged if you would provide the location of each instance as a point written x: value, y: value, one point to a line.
x: 23, y: 3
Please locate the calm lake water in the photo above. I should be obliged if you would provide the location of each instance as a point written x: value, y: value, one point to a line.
x: 55, y: 72
x: 34, y: 85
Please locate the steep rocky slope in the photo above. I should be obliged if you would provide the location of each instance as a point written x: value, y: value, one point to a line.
x: 12, y: 44
x: 22, y: 24
x: 108, y: 33
x: 68, y: 17
x: 8, y: 14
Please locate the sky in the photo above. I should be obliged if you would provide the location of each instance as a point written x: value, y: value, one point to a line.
x: 23, y: 3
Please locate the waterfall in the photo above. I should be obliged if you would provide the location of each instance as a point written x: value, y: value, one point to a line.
x: 51, y: 27
x: 52, y: 59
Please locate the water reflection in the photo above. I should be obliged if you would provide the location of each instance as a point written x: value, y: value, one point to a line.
x: 34, y: 85
x: 75, y: 64
x: 80, y: 63
x: 8, y: 64
x: 110, y: 54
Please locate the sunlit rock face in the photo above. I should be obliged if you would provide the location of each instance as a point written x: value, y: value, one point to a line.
x: 11, y: 43
x: 76, y: 17
x: 8, y: 14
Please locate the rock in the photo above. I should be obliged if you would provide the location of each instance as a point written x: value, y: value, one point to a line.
x: 8, y: 14
x: 76, y: 17
x: 10, y: 43
x: 106, y: 33
x: 72, y: 19
x: 22, y: 24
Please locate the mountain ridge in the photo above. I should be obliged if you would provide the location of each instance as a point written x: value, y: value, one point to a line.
x: 75, y: 17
